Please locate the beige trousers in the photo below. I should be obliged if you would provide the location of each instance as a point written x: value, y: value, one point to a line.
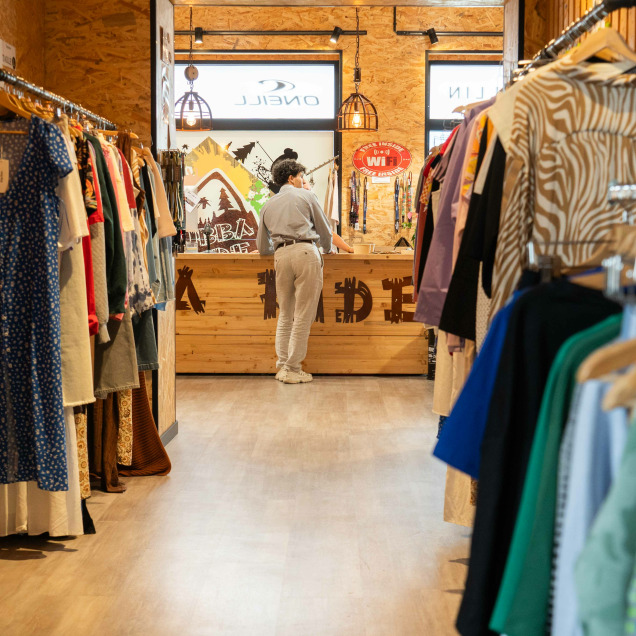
x: 298, y: 286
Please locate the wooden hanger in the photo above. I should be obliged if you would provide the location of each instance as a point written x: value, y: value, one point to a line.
x: 622, y: 393
x: 609, y: 359
x: 606, y: 39
x: 114, y: 133
x: 11, y: 103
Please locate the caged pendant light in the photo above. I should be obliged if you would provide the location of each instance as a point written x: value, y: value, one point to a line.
x: 192, y: 112
x: 357, y: 112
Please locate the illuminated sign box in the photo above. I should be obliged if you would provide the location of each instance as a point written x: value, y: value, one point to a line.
x: 265, y: 91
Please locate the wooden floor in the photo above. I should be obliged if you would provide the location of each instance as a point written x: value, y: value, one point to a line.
x: 291, y: 510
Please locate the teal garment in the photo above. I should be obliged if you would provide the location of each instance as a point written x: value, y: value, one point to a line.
x: 630, y: 618
x: 606, y: 565
x: 522, y: 602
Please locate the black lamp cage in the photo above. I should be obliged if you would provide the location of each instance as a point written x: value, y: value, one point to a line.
x: 357, y: 113
x: 192, y: 102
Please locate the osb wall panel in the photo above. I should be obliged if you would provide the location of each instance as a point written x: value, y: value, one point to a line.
x: 393, y: 70
x: 98, y: 54
x: 561, y: 13
x: 22, y: 24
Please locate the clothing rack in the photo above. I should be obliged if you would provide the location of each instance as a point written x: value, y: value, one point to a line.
x: 575, y: 31
x: 621, y: 192
x: 324, y: 163
x: 66, y: 104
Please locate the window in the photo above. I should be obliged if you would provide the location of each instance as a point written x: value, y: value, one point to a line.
x: 452, y: 84
x: 266, y: 91
x: 260, y: 111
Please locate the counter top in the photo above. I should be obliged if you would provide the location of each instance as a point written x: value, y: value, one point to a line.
x: 405, y: 256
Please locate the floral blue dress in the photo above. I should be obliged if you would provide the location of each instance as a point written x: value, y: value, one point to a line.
x: 32, y: 429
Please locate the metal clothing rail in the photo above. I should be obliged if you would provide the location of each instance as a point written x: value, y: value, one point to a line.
x: 575, y: 31
x: 38, y: 91
x: 621, y: 192
x: 324, y: 163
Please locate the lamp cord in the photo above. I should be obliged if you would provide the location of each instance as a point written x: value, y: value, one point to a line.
x: 191, y: 57
x: 357, y: 47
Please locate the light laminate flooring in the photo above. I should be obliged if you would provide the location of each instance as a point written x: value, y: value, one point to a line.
x: 311, y: 510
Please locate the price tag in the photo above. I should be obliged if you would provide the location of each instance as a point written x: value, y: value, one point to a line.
x: 4, y: 175
x: 357, y: 227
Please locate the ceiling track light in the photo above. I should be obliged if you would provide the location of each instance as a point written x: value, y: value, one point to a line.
x: 432, y: 36
x: 335, y: 36
x: 198, y: 35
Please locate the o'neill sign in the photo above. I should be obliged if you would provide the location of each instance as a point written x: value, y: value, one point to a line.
x: 381, y: 159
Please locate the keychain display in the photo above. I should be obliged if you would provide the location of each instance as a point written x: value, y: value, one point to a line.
x: 364, y: 206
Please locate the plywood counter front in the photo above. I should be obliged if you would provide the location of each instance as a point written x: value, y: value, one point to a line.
x: 227, y: 314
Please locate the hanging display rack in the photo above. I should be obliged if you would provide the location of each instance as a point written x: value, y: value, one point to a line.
x: 66, y: 105
x: 323, y: 164
x: 570, y: 35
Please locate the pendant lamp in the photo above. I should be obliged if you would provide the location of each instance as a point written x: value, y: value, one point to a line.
x: 357, y: 112
x: 192, y: 112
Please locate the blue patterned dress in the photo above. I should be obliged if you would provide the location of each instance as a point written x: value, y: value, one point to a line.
x: 32, y: 429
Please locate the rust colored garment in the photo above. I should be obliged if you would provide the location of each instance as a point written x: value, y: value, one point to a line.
x: 103, y: 425
x: 149, y: 457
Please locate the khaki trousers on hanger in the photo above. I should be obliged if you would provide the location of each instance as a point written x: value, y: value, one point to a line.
x: 298, y: 286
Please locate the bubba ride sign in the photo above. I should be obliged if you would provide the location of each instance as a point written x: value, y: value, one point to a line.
x: 381, y: 159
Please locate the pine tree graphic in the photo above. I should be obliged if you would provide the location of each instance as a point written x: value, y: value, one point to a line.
x: 224, y: 202
x: 242, y: 153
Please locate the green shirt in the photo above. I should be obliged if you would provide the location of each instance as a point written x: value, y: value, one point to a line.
x: 522, y: 603
x: 606, y: 565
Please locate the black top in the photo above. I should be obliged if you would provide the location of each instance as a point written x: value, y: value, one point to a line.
x: 541, y: 321
x: 460, y: 307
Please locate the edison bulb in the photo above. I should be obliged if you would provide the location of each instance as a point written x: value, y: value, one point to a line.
x: 356, y: 120
x: 191, y: 119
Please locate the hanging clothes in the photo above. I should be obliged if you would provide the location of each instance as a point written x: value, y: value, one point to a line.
x: 438, y: 269
x: 547, y: 314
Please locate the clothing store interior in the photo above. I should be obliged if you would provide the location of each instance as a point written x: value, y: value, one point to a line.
x: 447, y: 447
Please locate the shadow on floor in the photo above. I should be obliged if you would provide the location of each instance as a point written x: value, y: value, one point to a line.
x: 25, y: 548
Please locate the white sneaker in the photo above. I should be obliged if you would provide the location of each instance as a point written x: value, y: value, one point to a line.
x: 295, y: 377
x: 279, y: 375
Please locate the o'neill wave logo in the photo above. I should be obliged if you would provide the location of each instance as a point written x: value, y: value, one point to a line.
x: 276, y: 92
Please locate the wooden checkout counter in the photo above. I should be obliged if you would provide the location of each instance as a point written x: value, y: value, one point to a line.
x: 227, y: 313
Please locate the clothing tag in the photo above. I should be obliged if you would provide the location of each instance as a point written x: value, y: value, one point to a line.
x: 357, y: 226
x: 4, y: 175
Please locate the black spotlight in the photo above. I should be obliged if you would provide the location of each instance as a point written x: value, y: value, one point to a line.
x: 198, y: 35
x: 335, y: 36
x: 432, y: 36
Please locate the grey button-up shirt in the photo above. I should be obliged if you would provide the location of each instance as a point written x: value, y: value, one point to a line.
x: 292, y: 214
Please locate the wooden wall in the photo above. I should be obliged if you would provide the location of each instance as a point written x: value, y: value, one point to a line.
x: 561, y: 13
x: 98, y: 54
x: 22, y: 24
x: 393, y: 69
x: 546, y: 19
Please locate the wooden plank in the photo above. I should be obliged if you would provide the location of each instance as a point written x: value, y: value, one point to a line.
x: 166, y: 348
x: 326, y: 354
